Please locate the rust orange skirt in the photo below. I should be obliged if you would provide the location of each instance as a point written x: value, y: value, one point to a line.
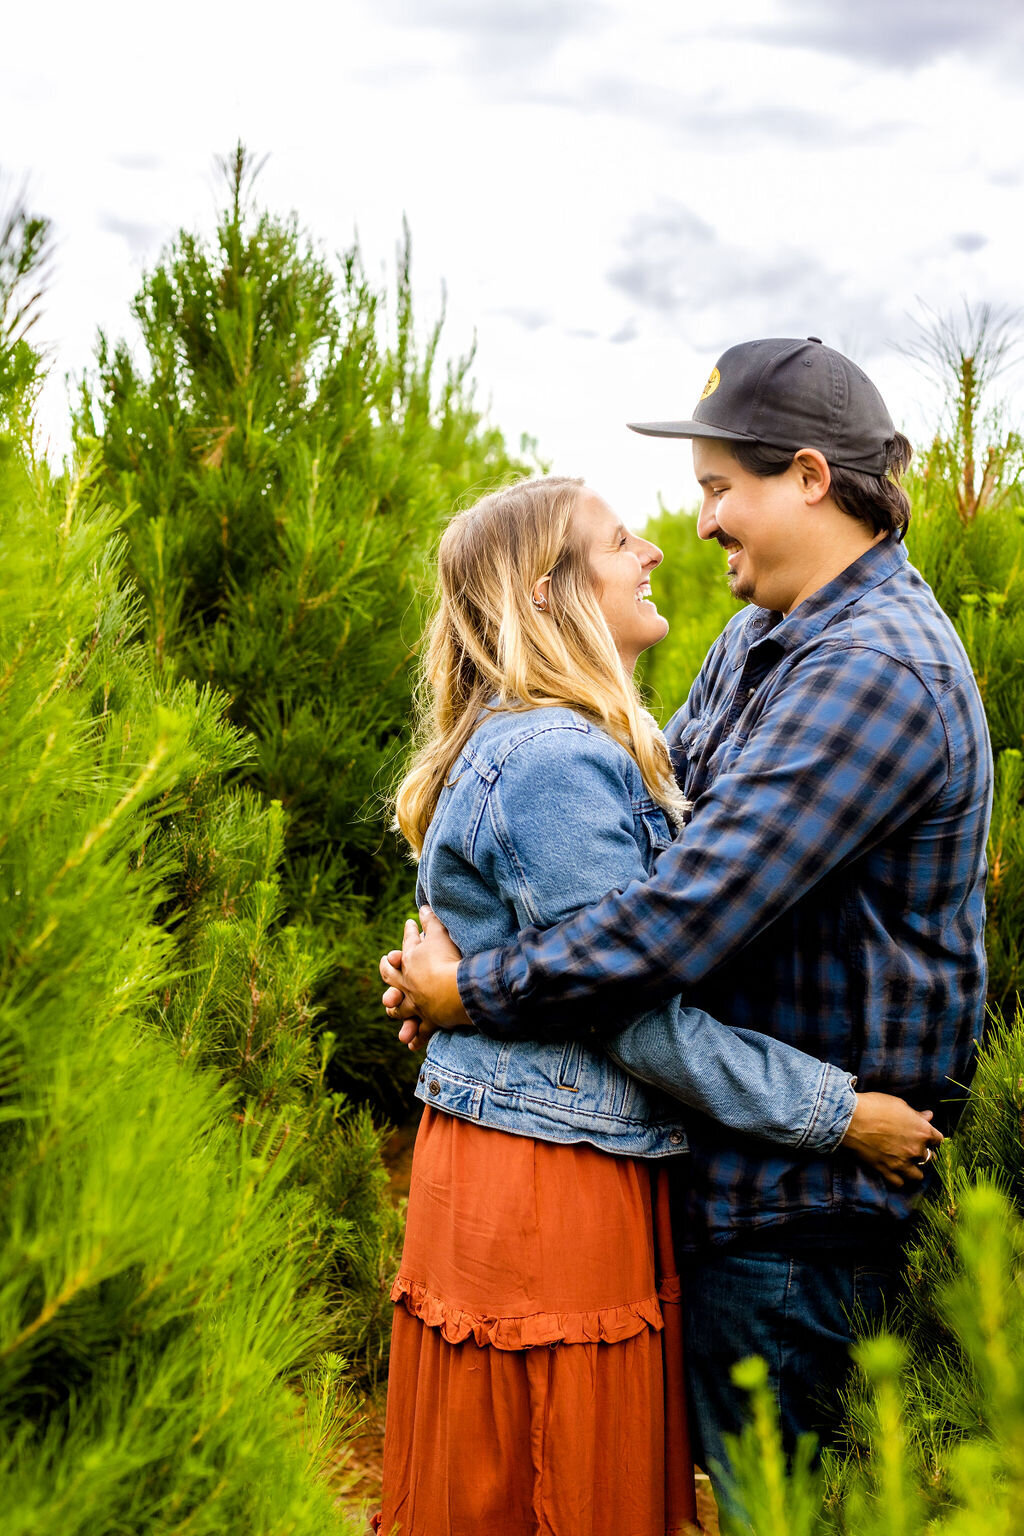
x: 536, y: 1380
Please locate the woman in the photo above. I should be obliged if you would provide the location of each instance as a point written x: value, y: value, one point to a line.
x: 538, y: 1211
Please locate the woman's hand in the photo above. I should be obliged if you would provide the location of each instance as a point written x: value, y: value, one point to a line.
x: 422, y: 982
x: 895, y: 1140
x: 413, y: 1033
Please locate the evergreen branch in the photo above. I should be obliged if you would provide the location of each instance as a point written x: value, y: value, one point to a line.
x: 80, y: 1281
x: 103, y: 827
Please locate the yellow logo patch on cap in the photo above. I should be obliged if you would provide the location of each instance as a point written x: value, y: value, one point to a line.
x: 712, y: 383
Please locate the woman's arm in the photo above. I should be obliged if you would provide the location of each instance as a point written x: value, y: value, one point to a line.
x: 743, y: 1079
x: 752, y: 1074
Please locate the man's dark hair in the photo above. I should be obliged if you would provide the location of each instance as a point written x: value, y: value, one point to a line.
x: 878, y: 500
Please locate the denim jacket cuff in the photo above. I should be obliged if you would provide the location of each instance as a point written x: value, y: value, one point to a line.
x: 833, y: 1110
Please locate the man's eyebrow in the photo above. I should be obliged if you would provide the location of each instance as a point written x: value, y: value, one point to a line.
x: 709, y: 479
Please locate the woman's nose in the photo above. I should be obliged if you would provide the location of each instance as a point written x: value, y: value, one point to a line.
x: 651, y: 555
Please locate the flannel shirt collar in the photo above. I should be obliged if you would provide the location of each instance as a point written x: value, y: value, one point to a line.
x: 816, y: 612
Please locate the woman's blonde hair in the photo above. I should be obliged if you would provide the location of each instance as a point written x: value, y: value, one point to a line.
x: 489, y: 646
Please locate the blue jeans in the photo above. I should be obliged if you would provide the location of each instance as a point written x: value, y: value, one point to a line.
x: 795, y: 1310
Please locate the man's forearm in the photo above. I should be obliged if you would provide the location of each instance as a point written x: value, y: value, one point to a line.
x: 496, y: 992
x: 493, y: 1012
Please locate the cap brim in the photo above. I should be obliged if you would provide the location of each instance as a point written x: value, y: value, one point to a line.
x: 688, y: 429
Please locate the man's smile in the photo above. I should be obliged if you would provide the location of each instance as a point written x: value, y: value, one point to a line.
x: 730, y: 545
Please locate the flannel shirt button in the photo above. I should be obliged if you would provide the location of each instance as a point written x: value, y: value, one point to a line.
x: 751, y: 692
x: 433, y: 1086
x: 675, y: 1137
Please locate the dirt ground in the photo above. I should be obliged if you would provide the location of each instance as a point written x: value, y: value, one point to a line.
x: 359, y: 1465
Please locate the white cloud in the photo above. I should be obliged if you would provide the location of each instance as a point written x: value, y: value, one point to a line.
x: 902, y: 34
x: 611, y: 194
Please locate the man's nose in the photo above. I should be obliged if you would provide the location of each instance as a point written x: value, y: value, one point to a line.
x: 707, y: 522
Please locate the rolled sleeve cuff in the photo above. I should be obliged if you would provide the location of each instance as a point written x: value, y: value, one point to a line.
x: 833, y: 1111
x: 485, y: 996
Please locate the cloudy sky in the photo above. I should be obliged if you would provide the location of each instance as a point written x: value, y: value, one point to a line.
x: 611, y: 193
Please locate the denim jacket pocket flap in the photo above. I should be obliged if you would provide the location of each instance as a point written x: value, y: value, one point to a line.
x: 569, y: 1067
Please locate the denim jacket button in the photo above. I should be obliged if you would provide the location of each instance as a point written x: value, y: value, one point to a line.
x: 675, y: 1137
x: 433, y: 1086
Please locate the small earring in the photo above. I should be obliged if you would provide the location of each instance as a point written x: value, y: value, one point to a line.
x: 540, y: 606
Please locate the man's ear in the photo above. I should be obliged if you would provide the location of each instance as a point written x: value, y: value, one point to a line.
x: 815, y: 475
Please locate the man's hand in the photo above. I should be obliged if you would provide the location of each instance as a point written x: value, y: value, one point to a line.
x: 424, y: 986
x: 895, y: 1140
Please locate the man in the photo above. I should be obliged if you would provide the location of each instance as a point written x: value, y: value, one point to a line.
x: 828, y: 888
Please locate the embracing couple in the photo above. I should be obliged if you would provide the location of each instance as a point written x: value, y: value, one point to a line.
x: 719, y: 988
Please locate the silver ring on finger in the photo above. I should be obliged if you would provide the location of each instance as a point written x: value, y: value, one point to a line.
x: 922, y: 1162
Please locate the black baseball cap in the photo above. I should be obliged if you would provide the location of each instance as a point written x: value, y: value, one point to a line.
x: 790, y: 394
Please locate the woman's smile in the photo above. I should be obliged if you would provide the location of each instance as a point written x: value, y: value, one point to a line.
x: 622, y: 563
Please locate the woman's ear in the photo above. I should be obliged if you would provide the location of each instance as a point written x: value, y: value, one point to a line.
x: 815, y: 475
x: 539, y: 595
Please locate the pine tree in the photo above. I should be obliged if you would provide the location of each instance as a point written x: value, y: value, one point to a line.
x: 25, y: 245
x: 284, y: 470
x: 974, y: 463
x: 967, y: 539
x: 162, y: 1275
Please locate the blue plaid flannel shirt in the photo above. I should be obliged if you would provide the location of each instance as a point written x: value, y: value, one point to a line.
x: 828, y: 888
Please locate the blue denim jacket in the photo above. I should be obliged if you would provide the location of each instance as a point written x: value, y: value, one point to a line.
x: 543, y: 813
